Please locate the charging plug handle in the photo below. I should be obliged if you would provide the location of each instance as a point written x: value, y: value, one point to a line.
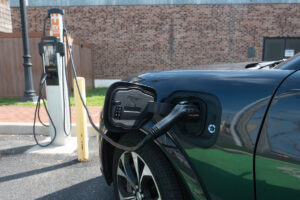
x: 43, y: 78
x: 183, y: 110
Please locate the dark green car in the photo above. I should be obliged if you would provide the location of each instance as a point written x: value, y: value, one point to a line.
x: 242, y: 142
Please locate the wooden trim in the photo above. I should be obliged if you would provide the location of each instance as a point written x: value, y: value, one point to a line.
x: 84, y: 44
x: 11, y: 65
x: 19, y: 35
x: 39, y: 35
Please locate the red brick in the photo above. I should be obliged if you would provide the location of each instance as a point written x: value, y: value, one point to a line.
x: 135, y: 39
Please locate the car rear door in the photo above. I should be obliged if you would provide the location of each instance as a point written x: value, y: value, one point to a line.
x: 277, y: 159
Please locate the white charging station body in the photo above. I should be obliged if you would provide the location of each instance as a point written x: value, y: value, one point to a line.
x: 57, y: 95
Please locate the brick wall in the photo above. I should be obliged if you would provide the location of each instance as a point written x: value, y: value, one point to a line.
x: 134, y: 39
x: 5, y: 17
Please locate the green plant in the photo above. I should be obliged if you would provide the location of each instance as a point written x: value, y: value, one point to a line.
x: 94, y: 97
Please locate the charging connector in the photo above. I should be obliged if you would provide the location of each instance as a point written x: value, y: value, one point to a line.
x: 183, y: 110
x: 43, y: 79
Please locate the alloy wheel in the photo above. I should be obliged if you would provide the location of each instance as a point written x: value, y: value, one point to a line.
x: 134, y: 179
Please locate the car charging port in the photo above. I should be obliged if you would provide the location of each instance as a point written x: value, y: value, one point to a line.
x: 183, y: 110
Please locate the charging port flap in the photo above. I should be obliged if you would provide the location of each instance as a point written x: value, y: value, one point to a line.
x: 126, y: 106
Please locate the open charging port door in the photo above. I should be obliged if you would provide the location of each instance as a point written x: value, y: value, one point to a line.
x: 126, y: 106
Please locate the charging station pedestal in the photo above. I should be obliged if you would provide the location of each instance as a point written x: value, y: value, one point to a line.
x: 54, y: 65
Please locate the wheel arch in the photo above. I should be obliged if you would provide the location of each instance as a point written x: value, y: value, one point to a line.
x: 106, y: 152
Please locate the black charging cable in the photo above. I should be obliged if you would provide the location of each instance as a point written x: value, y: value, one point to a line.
x: 37, y: 113
x: 183, y: 109
x: 42, y: 81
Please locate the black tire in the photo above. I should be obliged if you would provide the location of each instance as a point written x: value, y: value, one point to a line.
x: 162, y: 171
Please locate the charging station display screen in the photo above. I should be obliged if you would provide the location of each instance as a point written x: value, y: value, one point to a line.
x: 50, y: 55
x: 50, y: 62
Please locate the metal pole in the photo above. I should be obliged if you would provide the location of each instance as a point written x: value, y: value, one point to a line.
x: 29, y: 93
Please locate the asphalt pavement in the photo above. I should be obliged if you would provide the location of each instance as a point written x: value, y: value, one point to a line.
x: 48, y: 176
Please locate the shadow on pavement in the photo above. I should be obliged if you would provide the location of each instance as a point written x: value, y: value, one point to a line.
x: 15, y: 151
x: 95, y: 188
x: 37, y: 171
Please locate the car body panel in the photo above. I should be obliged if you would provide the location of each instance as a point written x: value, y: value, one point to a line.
x: 182, y: 165
x: 231, y: 157
x: 292, y: 63
x: 277, y: 163
x: 244, y: 96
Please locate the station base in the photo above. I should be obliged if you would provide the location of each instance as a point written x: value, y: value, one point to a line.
x: 69, y: 147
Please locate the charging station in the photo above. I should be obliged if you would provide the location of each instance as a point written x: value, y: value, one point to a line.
x: 52, y: 50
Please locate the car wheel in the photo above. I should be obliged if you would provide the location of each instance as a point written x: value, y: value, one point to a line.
x: 145, y: 174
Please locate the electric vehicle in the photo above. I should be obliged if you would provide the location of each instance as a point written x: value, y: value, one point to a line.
x: 241, y: 141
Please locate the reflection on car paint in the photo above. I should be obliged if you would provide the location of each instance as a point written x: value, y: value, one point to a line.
x: 295, y: 172
x: 179, y: 162
x: 277, y: 162
x: 182, y: 165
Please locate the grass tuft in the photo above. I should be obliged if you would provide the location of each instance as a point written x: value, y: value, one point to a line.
x: 94, y: 97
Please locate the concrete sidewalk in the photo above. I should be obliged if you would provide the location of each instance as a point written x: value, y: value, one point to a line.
x: 19, y: 119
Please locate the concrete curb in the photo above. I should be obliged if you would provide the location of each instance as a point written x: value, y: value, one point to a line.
x: 15, y: 128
